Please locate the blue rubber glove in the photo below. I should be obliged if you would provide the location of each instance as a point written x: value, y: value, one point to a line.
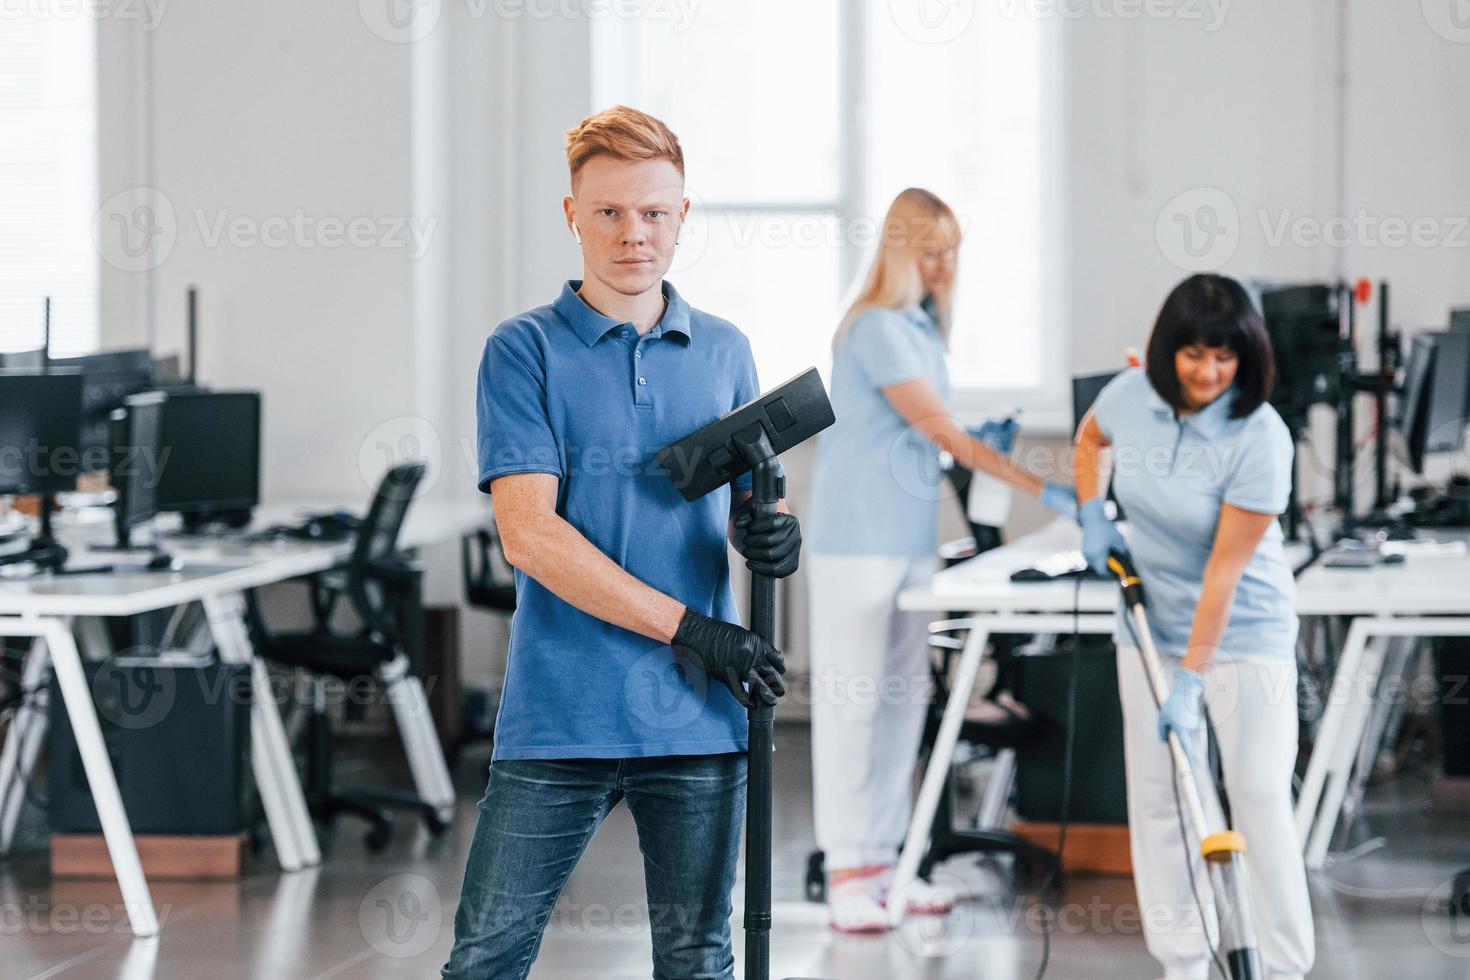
x: 1059, y: 498
x: 998, y: 435
x: 1099, y: 535
x: 1182, y: 712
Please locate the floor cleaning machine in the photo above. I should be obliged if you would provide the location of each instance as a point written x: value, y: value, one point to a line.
x: 1223, y: 849
x: 748, y: 440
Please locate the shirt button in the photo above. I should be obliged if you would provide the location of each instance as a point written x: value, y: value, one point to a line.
x: 622, y: 333
x: 643, y: 381
x: 637, y: 353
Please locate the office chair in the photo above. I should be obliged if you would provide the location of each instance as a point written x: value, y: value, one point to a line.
x: 383, y: 589
x: 489, y: 584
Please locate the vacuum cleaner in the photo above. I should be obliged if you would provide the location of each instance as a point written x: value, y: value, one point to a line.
x: 1223, y: 849
x: 748, y: 440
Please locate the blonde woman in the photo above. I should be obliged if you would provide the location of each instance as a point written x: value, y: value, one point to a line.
x: 873, y: 529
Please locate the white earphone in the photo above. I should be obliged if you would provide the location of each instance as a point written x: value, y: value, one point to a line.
x: 576, y: 234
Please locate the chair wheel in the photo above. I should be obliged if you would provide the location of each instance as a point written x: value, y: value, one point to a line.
x: 816, y: 878
x: 378, y: 838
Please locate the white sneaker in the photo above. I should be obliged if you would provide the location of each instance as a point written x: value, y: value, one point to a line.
x: 923, y: 898
x: 854, y: 907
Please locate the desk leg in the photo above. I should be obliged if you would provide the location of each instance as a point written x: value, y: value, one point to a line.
x: 270, y: 753
x: 23, y: 743
x: 1339, y: 701
x: 1345, y: 752
x: 77, y: 695
x: 420, y: 741
x: 940, y: 758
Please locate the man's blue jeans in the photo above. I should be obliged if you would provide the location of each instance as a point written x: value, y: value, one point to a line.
x: 535, y: 821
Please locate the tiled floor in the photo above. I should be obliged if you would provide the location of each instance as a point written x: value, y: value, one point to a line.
x: 390, y: 915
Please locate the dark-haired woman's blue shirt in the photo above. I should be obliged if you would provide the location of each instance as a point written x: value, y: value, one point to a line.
x: 1171, y: 475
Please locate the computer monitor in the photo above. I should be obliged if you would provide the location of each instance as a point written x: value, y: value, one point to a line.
x: 137, y: 459
x: 1085, y: 389
x: 1460, y: 321
x: 40, y: 426
x: 108, y: 379
x: 1435, y: 397
x: 1304, y: 325
x: 211, y: 461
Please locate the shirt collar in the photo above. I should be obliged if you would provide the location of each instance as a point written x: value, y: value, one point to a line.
x: 590, y: 325
x: 1209, y: 421
x: 918, y: 314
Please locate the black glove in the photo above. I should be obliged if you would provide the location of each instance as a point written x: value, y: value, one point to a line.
x: 733, y: 655
x: 770, y: 545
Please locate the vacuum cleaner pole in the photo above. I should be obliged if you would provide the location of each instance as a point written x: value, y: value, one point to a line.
x: 1223, y: 850
x: 748, y: 440
x: 766, y: 491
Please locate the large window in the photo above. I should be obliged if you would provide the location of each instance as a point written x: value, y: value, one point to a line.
x: 48, y: 179
x: 800, y: 122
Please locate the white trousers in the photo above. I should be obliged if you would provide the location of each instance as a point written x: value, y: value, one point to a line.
x: 1253, y: 708
x: 870, y: 691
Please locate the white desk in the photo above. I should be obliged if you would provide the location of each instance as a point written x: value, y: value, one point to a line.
x: 981, y: 588
x: 48, y: 608
x: 1424, y: 596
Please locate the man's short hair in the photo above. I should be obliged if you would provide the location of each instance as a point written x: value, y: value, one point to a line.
x: 622, y: 133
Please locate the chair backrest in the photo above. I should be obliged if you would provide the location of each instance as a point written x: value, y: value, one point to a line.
x: 378, y: 536
x: 377, y: 540
x: 489, y: 580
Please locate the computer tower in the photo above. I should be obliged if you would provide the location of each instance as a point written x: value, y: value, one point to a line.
x: 178, y: 734
x: 1099, y: 789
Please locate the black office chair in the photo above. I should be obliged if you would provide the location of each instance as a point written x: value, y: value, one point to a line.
x: 489, y: 584
x: 383, y: 589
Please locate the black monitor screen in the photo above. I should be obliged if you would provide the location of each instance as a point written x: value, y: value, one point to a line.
x: 1449, y: 396
x: 137, y: 451
x: 108, y: 379
x: 40, y: 424
x: 28, y: 359
x: 211, y: 451
x: 1085, y: 390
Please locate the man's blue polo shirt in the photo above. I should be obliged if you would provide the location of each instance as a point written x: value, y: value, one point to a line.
x: 567, y: 391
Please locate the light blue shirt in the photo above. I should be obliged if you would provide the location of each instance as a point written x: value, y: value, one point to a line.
x: 877, y: 481
x: 1172, y: 475
x: 567, y: 391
